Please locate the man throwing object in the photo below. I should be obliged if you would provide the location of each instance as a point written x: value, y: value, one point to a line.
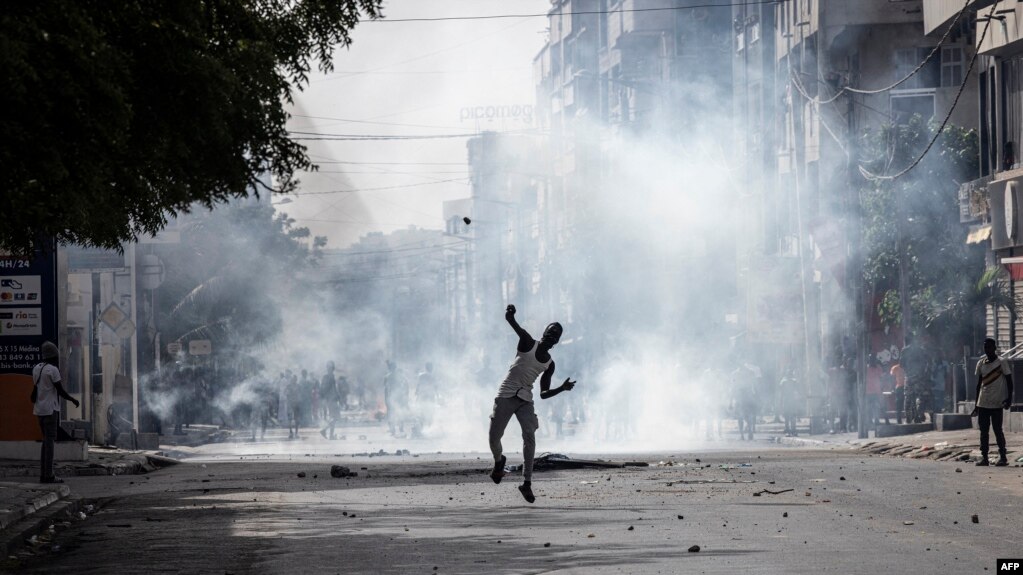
x: 515, y: 397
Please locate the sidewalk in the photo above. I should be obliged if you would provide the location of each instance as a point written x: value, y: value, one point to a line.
x: 958, y: 445
x: 28, y: 509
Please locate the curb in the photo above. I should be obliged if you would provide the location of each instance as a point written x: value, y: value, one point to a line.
x: 14, y: 538
x: 34, y: 505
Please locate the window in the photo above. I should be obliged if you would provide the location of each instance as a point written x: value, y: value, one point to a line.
x: 951, y: 66
x: 754, y: 32
x: 908, y: 59
x: 905, y: 106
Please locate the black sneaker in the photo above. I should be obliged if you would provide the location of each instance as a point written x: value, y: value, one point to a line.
x: 498, y: 472
x: 527, y: 492
x: 1002, y: 463
x: 983, y: 463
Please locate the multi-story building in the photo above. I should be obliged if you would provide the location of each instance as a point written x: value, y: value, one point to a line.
x: 840, y: 69
x: 616, y: 79
x: 991, y: 202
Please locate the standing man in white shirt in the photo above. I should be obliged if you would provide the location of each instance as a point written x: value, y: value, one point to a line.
x: 48, y: 391
x: 515, y: 397
x: 994, y: 393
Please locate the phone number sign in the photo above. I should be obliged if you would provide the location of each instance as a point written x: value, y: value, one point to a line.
x: 28, y: 309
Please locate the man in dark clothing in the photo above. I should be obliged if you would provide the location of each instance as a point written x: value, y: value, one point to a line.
x: 994, y: 393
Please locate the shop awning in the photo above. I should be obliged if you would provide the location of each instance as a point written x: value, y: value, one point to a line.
x: 979, y: 234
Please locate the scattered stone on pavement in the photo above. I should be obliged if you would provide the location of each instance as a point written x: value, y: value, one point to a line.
x: 340, y: 471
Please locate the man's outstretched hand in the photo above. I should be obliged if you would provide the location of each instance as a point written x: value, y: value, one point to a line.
x: 568, y: 385
x: 509, y: 312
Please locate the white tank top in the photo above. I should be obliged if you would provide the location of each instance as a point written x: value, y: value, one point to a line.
x: 522, y: 374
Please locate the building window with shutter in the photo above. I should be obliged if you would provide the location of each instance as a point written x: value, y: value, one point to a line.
x: 951, y: 66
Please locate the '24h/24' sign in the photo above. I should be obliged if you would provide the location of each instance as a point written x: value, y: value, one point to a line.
x: 28, y: 317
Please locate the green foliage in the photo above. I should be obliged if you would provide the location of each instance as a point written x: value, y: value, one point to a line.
x: 917, y: 217
x: 120, y: 114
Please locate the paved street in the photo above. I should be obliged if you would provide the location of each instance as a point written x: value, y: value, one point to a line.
x: 442, y: 513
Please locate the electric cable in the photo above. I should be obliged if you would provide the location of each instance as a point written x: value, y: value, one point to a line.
x: 352, y: 191
x: 574, y: 13
x: 905, y: 79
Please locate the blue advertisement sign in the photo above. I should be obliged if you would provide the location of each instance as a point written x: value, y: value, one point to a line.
x: 28, y: 309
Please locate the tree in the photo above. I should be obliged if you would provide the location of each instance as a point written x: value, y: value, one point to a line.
x: 913, y: 223
x: 118, y: 115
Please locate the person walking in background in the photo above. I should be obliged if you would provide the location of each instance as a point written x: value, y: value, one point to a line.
x: 395, y: 398
x: 426, y: 400
x: 331, y: 399
x: 994, y: 393
x: 900, y: 390
x: 46, y: 394
x: 744, y: 400
x: 515, y: 397
x: 293, y: 393
x: 917, y: 365
x: 790, y: 399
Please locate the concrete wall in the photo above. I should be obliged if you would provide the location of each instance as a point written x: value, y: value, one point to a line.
x: 1003, y: 36
x: 938, y: 14
x: 29, y: 450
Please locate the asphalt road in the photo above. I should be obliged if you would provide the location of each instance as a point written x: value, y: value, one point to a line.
x: 442, y: 514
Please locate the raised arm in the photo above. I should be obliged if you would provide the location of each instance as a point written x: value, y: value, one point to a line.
x: 545, y: 384
x: 525, y: 340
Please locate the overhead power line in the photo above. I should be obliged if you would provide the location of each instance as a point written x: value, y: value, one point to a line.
x: 376, y: 137
x: 352, y: 191
x: 572, y: 13
x: 391, y: 163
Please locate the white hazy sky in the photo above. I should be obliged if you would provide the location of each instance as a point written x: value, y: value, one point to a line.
x: 409, y: 79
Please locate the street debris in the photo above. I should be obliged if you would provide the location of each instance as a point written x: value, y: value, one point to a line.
x: 975, y: 519
x: 631, y: 528
x: 301, y: 473
x: 591, y: 535
x: 381, y: 453
x: 769, y: 492
x: 340, y: 471
x: 694, y: 549
x: 547, y: 544
x: 549, y: 461
x: 907, y: 523
x: 786, y: 514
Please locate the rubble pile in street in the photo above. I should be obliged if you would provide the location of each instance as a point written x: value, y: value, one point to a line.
x: 942, y: 451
